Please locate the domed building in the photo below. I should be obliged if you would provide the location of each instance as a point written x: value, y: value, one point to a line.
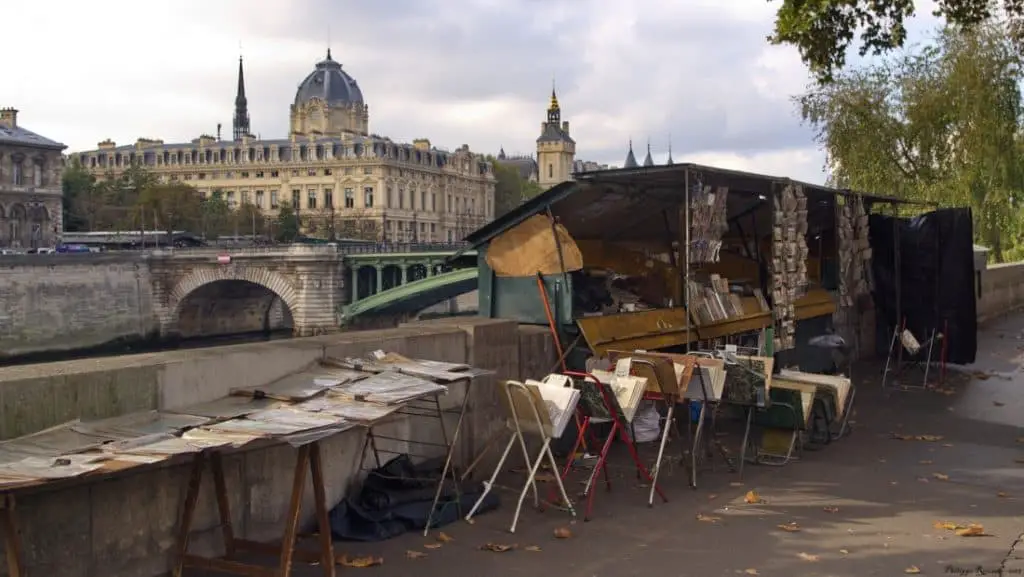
x: 341, y: 179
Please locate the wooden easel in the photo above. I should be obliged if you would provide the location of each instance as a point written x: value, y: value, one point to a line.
x: 12, y: 541
x: 309, y: 460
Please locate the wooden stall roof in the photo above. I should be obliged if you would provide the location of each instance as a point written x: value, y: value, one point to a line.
x: 639, y: 203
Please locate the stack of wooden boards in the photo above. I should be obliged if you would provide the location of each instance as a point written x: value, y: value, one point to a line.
x: 789, y: 261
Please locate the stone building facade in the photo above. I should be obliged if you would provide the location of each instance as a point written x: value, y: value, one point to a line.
x: 329, y: 167
x: 31, y: 212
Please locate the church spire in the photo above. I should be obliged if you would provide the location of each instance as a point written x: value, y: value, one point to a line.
x: 648, y: 161
x: 630, y: 158
x: 554, y: 111
x: 670, y: 161
x: 241, y: 120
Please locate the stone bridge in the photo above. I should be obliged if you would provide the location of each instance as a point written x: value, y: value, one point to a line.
x: 62, y: 302
x: 202, y: 292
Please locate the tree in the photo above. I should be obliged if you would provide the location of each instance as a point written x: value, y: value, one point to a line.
x: 287, y: 226
x: 824, y: 30
x: 248, y: 219
x: 508, y: 188
x: 941, y: 124
x: 172, y: 206
x: 78, y: 189
x: 214, y: 212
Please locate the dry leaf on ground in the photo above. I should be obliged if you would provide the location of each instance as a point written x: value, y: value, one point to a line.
x: 735, y: 484
x: 1003, y: 495
x: 912, y: 570
x: 532, y: 548
x: 947, y: 445
x: 844, y: 551
x: 544, y: 478
x: 361, y: 562
x: 940, y: 476
x: 432, y: 546
x: 443, y: 537
x: 415, y: 554
x: 563, y: 533
x: 790, y: 527
x: 947, y: 525
x: 712, y: 497
x: 807, y: 557
x: 752, y: 498
x: 751, y: 571
x: 830, y: 509
x: 497, y: 547
x: 998, y: 404
x: 708, y: 518
x: 927, y: 438
x: 972, y: 530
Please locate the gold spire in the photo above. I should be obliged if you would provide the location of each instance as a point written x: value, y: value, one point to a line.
x: 554, y: 97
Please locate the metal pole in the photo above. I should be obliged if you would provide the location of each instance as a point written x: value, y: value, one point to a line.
x: 686, y: 249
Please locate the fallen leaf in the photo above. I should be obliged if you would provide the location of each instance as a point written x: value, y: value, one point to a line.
x: 830, y: 509
x: 947, y: 525
x: 532, y: 548
x: 751, y: 571
x: 443, y: 537
x: 752, y: 498
x: 361, y: 562
x: 432, y: 546
x: 924, y: 462
x: 912, y: 570
x: 998, y: 404
x: 708, y: 518
x: 947, y: 444
x: 712, y: 496
x: 981, y: 376
x: 972, y: 530
x: 1003, y: 495
x: 844, y: 551
x: 940, y: 476
x: 807, y: 557
x: 563, y: 533
x: 415, y: 554
x: 928, y: 438
x: 544, y: 478
x: 735, y: 484
x: 497, y: 547
x: 790, y: 527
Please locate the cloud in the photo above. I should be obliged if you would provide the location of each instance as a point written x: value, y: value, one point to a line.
x: 477, y: 72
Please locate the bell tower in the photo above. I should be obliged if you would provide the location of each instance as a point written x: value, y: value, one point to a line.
x: 556, y: 150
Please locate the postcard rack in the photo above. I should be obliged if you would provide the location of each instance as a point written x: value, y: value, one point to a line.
x: 619, y: 429
x: 309, y: 461
x: 528, y: 413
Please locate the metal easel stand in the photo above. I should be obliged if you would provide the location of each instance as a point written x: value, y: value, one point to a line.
x: 12, y: 540
x: 537, y: 427
x: 619, y: 428
x: 795, y: 447
x: 671, y: 400
x: 309, y: 460
x: 429, y: 408
x: 895, y: 364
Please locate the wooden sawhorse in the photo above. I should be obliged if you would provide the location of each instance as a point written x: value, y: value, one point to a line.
x: 309, y: 460
x: 12, y: 541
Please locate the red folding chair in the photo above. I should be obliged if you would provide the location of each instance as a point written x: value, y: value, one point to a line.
x: 620, y: 428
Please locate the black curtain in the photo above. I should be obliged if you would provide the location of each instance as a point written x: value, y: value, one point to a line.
x: 936, y: 277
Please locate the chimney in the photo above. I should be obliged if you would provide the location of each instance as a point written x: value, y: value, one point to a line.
x: 9, y: 117
x: 218, y: 132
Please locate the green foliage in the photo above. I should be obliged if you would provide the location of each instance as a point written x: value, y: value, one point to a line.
x: 939, y: 124
x: 825, y: 30
x: 78, y: 186
x: 510, y: 189
x: 286, y: 229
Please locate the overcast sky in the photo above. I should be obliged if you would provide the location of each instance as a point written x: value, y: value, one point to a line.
x: 698, y: 70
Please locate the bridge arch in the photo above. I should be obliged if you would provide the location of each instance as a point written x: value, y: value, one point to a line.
x: 231, y: 285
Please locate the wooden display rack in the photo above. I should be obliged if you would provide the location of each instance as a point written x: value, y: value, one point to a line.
x: 309, y: 461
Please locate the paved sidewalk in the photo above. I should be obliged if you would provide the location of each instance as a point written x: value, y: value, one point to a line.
x: 866, y: 505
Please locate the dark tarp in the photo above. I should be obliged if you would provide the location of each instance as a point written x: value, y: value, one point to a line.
x: 936, y: 278
x: 397, y: 497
